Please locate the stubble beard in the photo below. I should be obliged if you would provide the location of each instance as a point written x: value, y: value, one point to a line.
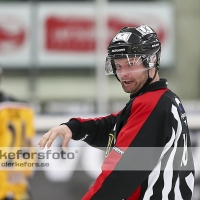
x: 134, y: 89
x: 129, y: 90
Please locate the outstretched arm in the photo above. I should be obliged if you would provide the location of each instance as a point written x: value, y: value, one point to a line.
x: 94, y: 131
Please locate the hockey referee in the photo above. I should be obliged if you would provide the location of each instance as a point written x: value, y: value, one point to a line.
x: 148, y: 142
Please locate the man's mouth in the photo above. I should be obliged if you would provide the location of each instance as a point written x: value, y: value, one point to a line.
x: 128, y: 82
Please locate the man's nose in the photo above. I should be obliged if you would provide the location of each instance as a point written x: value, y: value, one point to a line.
x: 125, y: 71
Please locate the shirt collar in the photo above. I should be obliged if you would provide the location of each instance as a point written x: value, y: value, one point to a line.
x: 162, y: 83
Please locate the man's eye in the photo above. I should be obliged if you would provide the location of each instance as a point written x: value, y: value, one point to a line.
x: 118, y: 66
x: 131, y: 64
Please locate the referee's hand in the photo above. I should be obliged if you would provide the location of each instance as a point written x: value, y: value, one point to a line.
x: 48, y: 138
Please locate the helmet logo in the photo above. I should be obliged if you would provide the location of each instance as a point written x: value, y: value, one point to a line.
x: 122, y: 36
x: 118, y: 50
x: 144, y: 30
x: 155, y: 45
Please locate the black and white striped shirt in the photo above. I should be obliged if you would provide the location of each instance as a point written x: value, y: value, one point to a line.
x: 149, y: 155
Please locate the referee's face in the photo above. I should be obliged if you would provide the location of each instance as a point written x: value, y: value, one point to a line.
x: 132, y: 75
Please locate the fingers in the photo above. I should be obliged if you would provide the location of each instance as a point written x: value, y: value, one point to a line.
x: 47, y: 139
x: 44, y: 139
x: 51, y: 139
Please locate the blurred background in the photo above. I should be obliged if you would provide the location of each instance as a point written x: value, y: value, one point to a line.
x: 52, y: 55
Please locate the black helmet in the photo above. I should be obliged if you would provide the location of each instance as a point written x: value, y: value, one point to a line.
x: 137, y: 42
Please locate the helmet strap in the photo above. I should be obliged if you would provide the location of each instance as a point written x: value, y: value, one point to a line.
x: 117, y: 77
x: 114, y: 69
x: 149, y: 79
